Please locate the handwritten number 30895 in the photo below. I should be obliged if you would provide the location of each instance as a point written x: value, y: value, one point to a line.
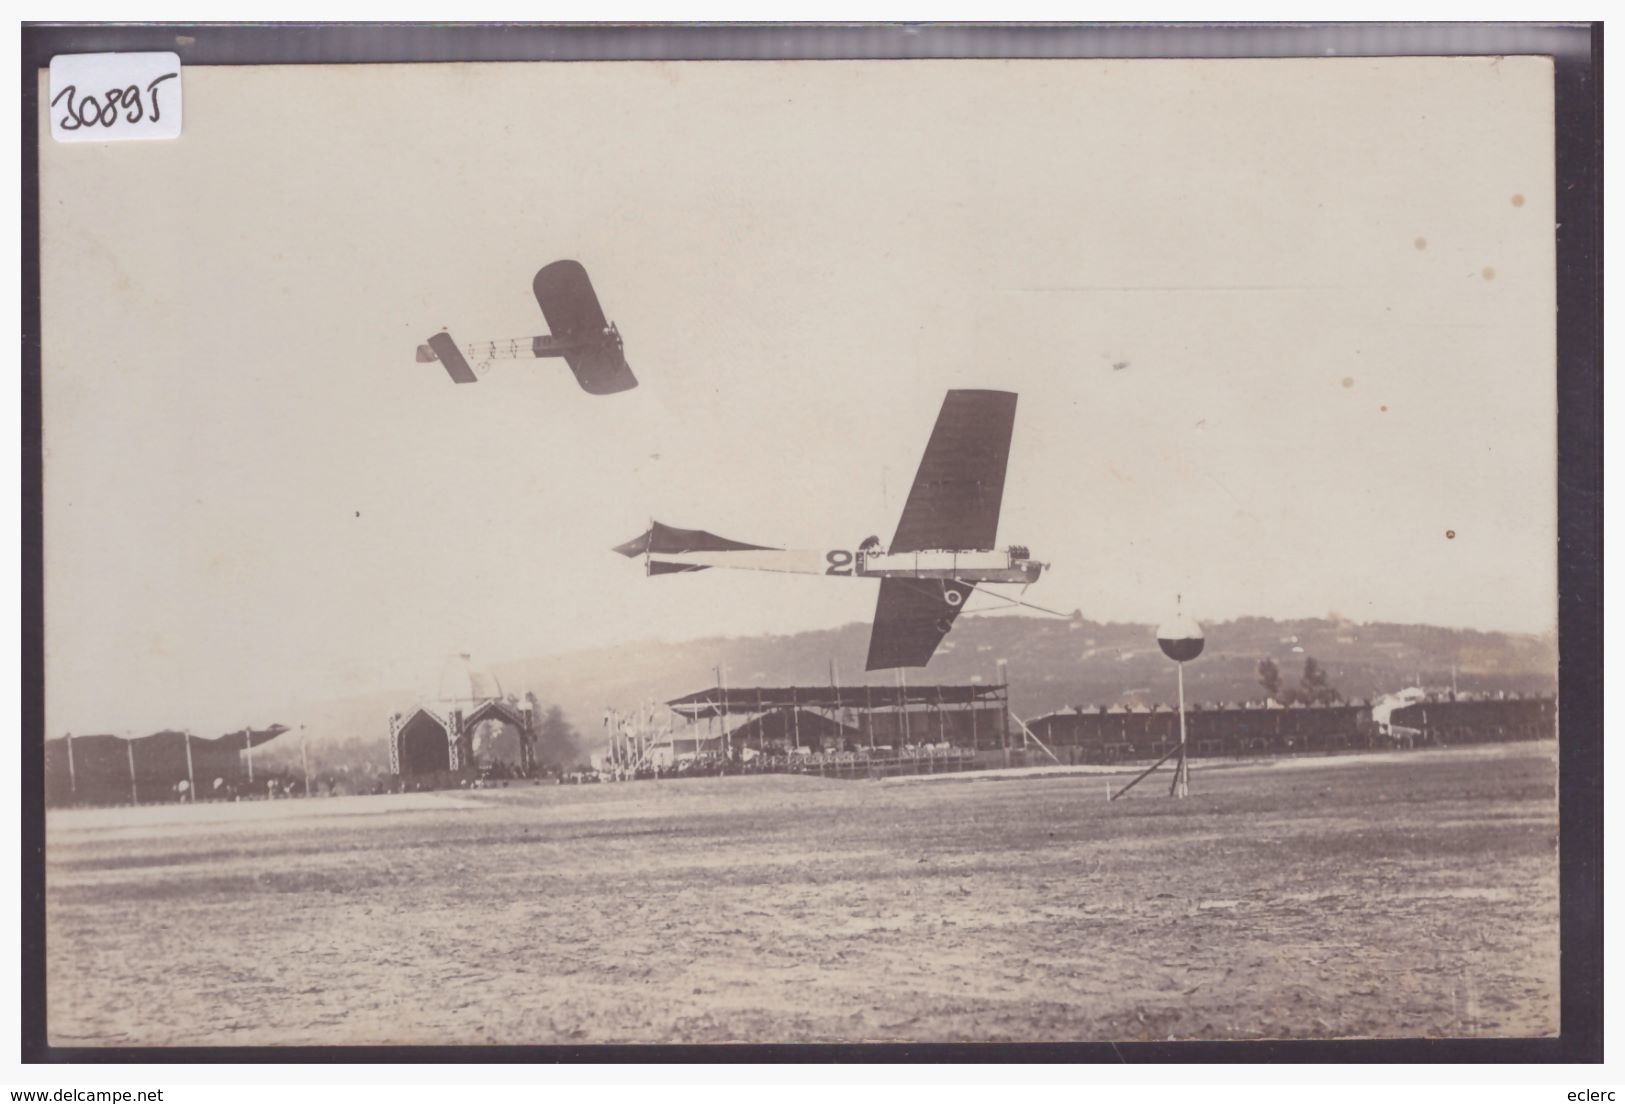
x: 89, y: 112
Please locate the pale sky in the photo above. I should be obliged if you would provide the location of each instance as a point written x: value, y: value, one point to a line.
x: 1329, y: 283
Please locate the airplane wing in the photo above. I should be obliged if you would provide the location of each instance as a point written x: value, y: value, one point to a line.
x: 568, y: 302
x: 601, y: 371
x: 955, y: 500
x: 911, y: 618
x: 571, y: 308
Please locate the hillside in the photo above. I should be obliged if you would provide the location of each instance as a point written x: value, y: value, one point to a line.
x: 1052, y: 663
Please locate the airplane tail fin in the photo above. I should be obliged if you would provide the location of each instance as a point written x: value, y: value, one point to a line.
x: 661, y: 540
x: 660, y: 567
x: 445, y: 350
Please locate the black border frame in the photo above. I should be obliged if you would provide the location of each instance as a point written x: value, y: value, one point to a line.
x: 1577, y: 53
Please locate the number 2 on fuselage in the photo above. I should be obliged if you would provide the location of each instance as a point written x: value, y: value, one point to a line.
x: 839, y: 560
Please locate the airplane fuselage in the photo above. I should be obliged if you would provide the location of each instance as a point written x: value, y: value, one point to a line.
x: 943, y: 550
x: 975, y: 566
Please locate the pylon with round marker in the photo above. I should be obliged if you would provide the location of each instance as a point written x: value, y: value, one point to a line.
x: 1181, y: 640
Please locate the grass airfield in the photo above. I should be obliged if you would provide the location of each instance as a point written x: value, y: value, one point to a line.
x: 1405, y: 894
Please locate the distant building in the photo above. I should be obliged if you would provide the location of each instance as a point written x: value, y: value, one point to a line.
x: 1102, y: 734
x: 113, y: 770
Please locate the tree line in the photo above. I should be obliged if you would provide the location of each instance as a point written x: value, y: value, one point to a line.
x: 1314, y: 686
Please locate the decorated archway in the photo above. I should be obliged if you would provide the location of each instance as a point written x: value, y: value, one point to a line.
x: 470, y: 729
x: 421, y: 746
x: 498, y: 734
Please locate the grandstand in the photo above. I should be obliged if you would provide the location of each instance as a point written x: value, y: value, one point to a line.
x: 792, y: 719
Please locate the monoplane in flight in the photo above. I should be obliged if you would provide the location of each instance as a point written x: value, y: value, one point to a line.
x: 589, y: 344
x: 944, y: 549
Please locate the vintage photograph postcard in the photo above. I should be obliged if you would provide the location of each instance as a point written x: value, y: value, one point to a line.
x: 1115, y: 503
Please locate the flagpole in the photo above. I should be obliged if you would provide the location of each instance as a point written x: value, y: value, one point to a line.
x: 902, y: 686
x: 1003, y: 675
x: 722, y: 684
x: 1182, y: 777
x: 840, y: 718
x: 1181, y: 640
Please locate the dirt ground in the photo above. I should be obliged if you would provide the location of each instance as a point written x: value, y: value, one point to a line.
x: 1401, y: 895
